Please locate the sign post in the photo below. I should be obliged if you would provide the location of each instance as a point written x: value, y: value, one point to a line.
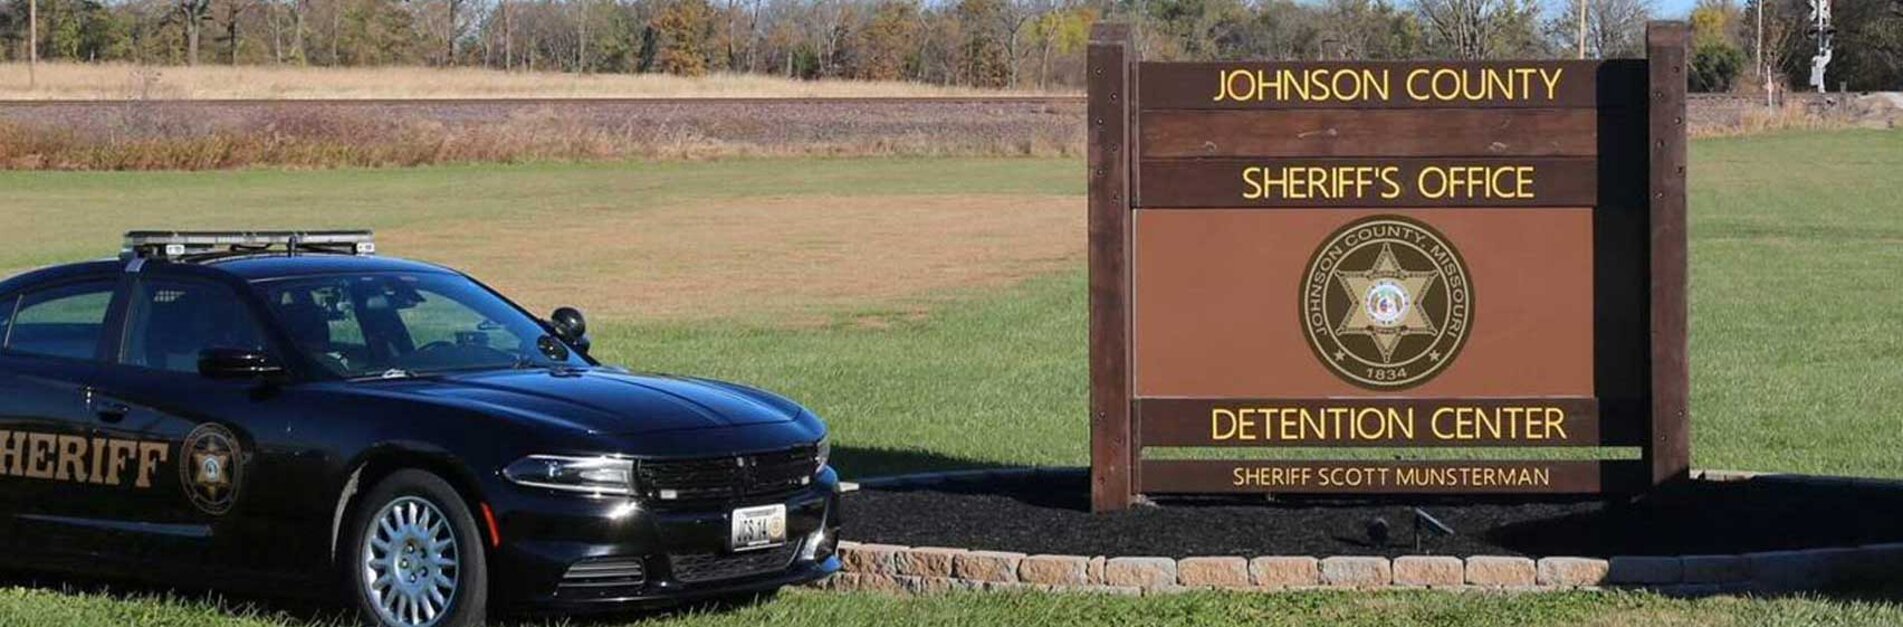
x: 1112, y: 56
x: 1371, y: 255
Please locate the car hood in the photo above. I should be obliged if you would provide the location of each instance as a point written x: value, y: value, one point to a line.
x: 600, y: 400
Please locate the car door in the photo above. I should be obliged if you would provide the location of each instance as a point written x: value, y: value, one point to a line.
x: 58, y: 470
x: 207, y: 508
x: 10, y: 499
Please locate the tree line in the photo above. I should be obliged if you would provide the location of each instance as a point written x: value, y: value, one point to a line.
x: 981, y: 43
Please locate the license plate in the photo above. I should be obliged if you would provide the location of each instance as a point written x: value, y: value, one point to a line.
x: 758, y: 527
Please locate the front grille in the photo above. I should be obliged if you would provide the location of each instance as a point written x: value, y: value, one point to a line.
x: 603, y: 578
x: 705, y: 567
x: 728, y: 477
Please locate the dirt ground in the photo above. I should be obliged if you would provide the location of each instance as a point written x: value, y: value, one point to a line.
x: 793, y: 260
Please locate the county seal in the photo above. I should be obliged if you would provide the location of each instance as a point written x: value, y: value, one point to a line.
x: 1386, y: 302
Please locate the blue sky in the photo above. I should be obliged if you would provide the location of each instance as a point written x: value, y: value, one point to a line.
x: 1674, y: 9
x: 1661, y: 9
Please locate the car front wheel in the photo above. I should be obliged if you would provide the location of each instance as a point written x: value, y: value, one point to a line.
x: 417, y: 557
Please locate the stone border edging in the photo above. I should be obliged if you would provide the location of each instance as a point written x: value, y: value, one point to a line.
x: 921, y: 570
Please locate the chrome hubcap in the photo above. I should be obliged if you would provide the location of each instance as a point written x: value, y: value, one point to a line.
x: 410, y: 563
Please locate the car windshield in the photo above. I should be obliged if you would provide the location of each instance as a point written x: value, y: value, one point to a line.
x: 397, y: 325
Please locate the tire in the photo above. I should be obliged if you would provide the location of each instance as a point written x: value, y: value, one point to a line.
x: 396, y: 541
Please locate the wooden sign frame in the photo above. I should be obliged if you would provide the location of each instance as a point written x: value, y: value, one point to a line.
x: 1613, y: 147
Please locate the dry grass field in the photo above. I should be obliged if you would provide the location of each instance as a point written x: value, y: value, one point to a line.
x: 787, y: 257
x: 774, y: 240
x: 120, y: 81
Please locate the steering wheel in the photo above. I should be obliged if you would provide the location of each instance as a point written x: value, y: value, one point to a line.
x: 443, y: 345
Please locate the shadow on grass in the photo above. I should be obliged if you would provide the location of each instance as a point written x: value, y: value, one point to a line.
x: 854, y: 463
x: 321, y: 610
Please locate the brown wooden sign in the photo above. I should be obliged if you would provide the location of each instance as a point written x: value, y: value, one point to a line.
x: 1396, y: 255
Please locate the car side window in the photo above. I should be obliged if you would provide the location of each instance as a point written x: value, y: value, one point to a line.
x: 65, y: 321
x: 322, y: 320
x: 172, y: 321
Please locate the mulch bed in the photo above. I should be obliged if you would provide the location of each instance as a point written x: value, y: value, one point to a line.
x: 1051, y: 515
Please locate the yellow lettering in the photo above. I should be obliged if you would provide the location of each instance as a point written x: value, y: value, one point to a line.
x: 1216, y: 424
x: 1556, y: 422
x: 1413, y: 89
x: 122, y: 451
x: 1552, y: 82
x: 151, y: 454
x: 72, y: 459
x: 97, y: 474
x: 38, y: 447
x: 1376, y: 85
x: 1310, y: 85
x: 1293, y: 84
x: 12, y: 453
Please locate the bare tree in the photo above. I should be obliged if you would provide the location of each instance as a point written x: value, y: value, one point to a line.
x: 277, y: 31
x: 1011, y: 19
x: 1784, y: 26
x: 32, y: 43
x: 1614, y: 28
x: 193, y: 14
x: 299, y: 10
x: 235, y: 11
x: 1478, y: 29
x: 455, y: 26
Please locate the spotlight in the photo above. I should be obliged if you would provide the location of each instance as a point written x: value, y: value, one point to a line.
x: 1433, y: 525
x: 1378, y: 532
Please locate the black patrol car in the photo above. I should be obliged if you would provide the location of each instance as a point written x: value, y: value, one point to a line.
x: 288, y: 410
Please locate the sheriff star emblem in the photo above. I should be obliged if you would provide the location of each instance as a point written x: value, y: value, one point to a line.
x: 1386, y: 302
x: 211, y: 468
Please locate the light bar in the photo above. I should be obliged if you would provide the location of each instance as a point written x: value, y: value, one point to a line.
x: 169, y: 244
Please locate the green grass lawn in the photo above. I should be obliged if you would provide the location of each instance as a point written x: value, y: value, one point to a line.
x: 996, y: 380
x: 1796, y: 243
x: 1797, y: 348
x: 805, y: 608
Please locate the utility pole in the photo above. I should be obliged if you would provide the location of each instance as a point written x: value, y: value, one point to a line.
x: 1764, y: 73
x: 1825, y: 33
x: 1582, y: 29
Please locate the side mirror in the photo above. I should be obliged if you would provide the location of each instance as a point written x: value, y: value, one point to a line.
x: 236, y: 363
x: 569, y: 325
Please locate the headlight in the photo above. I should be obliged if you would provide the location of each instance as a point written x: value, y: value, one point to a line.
x: 825, y: 453
x: 591, y: 475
